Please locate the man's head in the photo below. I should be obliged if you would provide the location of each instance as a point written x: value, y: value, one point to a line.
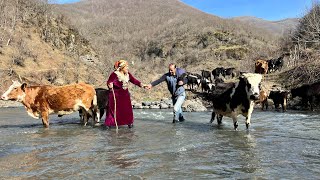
x: 172, y: 69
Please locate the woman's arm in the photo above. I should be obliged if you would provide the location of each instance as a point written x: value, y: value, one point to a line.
x: 134, y: 80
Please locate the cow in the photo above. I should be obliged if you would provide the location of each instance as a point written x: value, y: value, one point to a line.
x: 275, y: 64
x: 263, y: 99
x: 231, y: 72
x: 261, y: 67
x: 307, y: 92
x: 237, y: 99
x: 206, y: 74
x: 218, y: 71
x: 206, y: 85
x: 279, y: 97
x: 42, y: 100
x: 102, y: 101
x: 193, y: 80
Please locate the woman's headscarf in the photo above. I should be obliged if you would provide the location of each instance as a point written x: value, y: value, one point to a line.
x: 120, y: 64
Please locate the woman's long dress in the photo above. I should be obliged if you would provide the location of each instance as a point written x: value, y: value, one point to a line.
x: 124, y: 113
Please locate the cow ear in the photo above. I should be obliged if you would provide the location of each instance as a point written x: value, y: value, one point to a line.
x: 23, y: 86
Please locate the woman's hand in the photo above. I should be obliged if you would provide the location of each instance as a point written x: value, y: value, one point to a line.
x: 110, y: 85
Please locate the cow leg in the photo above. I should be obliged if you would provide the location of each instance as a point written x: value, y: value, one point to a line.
x: 311, y: 100
x: 266, y: 103
x: 101, y: 112
x: 84, y: 116
x: 248, y: 117
x: 219, y: 118
x: 98, y: 116
x: 235, y: 123
x: 212, y: 116
x: 45, y: 119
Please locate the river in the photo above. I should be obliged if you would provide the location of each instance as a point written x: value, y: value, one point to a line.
x: 277, y: 146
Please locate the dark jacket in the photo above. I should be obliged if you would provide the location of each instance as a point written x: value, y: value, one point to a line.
x: 172, y: 82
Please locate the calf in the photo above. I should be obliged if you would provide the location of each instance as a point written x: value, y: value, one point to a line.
x: 238, y: 99
x: 40, y: 101
x: 102, y: 100
x: 279, y: 97
x: 307, y: 92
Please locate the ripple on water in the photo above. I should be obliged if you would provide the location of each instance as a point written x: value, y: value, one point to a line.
x: 277, y: 145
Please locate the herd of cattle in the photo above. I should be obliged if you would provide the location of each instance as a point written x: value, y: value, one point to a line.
x: 228, y: 99
x: 269, y: 66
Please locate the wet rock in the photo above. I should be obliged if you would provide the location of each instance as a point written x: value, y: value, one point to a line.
x: 193, y: 106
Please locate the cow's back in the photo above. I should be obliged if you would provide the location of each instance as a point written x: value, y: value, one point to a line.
x: 314, y: 89
x: 69, y: 97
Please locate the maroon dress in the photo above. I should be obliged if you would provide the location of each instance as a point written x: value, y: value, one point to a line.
x: 124, y: 113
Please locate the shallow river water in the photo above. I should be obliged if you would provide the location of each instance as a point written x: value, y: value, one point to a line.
x: 277, y: 146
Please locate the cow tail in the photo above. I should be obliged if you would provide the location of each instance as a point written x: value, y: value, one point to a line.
x: 94, y: 108
x: 95, y: 101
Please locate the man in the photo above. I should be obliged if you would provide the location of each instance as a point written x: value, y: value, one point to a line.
x: 175, y: 78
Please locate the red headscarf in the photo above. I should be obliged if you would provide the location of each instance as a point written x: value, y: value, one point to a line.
x: 120, y: 64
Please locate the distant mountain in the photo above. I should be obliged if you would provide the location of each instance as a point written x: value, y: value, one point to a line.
x: 277, y: 27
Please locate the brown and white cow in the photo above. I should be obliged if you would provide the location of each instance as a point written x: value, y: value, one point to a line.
x: 237, y: 99
x: 42, y: 100
x: 261, y: 67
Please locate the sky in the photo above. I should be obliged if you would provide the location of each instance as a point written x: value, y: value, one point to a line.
x: 271, y: 10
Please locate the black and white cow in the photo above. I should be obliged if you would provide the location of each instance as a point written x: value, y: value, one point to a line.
x: 237, y: 99
x: 279, y: 97
x: 218, y: 71
x: 206, y: 85
x: 275, y: 64
x: 194, y: 80
x: 206, y: 75
x: 230, y: 72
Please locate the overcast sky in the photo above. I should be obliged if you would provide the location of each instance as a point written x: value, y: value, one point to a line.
x: 267, y: 9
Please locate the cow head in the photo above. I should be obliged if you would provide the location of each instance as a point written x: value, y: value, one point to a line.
x: 16, y: 92
x: 252, y: 81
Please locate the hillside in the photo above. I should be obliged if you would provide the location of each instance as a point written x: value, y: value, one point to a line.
x: 151, y: 34
x: 277, y: 27
x: 40, y: 47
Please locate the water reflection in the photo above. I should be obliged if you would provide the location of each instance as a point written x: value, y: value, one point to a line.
x: 122, y: 143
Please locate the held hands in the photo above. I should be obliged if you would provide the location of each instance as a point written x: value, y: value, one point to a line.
x: 147, y: 86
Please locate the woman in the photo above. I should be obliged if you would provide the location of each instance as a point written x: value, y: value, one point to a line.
x: 118, y: 82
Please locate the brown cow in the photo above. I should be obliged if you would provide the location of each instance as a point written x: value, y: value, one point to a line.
x: 261, y: 67
x: 263, y: 99
x: 40, y: 101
